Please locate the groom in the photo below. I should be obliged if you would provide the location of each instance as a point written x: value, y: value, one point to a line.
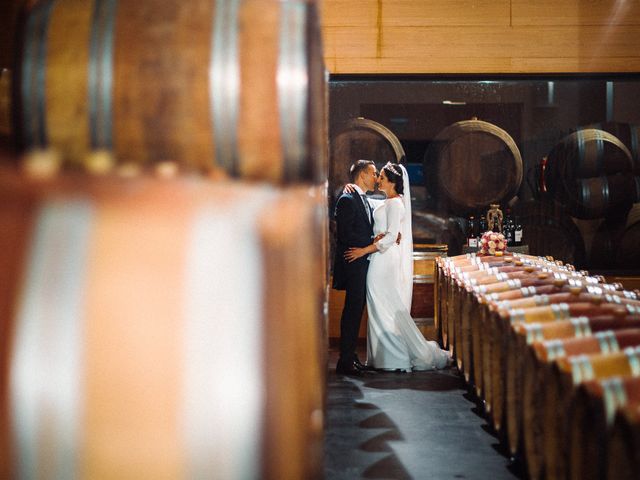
x: 354, y: 223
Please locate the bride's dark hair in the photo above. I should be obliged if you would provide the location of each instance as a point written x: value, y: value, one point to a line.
x: 394, y: 175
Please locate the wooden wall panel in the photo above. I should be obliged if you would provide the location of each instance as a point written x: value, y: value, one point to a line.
x: 576, y: 12
x: 350, y: 13
x: 501, y: 36
x: 439, y: 13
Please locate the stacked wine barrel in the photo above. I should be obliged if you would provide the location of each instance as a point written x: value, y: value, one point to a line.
x: 552, y: 352
x: 156, y: 228
x: 472, y: 164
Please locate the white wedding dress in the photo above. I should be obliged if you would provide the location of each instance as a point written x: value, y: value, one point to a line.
x: 393, y: 340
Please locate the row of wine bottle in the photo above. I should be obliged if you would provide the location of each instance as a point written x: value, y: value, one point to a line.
x: 511, y: 229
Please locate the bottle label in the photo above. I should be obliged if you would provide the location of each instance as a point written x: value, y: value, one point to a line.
x: 473, y: 242
x: 518, y: 235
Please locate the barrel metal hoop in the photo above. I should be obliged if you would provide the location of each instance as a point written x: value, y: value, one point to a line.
x: 612, y: 298
x: 528, y: 291
x: 501, y: 276
x: 555, y: 349
x: 585, y: 194
x: 560, y: 311
x: 34, y: 75
x: 581, y: 369
x: 293, y: 87
x: 630, y: 295
x: 534, y: 333
x: 615, y: 397
x: 542, y: 300
x: 605, y: 190
x: 517, y: 315
x: 101, y: 74
x: 423, y: 279
x: 46, y: 364
x: 514, y: 283
x: 224, y: 84
x: 582, y: 151
x: 633, y: 356
x: 581, y: 326
x: 607, y: 341
x: 632, y: 309
x: 599, y: 164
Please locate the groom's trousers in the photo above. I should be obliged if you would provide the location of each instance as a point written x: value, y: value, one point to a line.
x: 354, y: 302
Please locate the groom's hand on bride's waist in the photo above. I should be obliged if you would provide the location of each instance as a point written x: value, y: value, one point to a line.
x: 381, y: 235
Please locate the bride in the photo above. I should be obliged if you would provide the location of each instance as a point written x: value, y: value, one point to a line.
x: 393, y: 340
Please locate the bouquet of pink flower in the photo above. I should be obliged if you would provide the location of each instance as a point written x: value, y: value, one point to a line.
x: 492, y: 243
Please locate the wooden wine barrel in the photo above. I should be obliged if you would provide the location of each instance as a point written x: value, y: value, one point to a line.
x: 567, y: 374
x: 519, y: 367
x: 598, y: 197
x: 500, y: 338
x: 623, y: 461
x: 591, y: 415
x: 232, y: 86
x: 549, y: 230
x: 587, y: 153
x: 537, y: 370
x: 515, y: 365
x: 628, y: 134
x: 360, y: 139
x: 152, y: 328
x: 471, y: 164
x: 627, y: 254
x: 590, y: 172
x: 423, y: 302
x: 615, y: 242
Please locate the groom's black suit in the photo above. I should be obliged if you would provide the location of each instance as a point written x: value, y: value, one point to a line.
x: 353, y: 230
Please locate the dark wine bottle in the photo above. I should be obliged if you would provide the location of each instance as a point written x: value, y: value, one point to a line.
x: 517, y: 232
x: 472, y: 233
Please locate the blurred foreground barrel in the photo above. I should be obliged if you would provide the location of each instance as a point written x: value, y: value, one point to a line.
x: 234, y: 85
x: 590, y: 172
x: 152, y: 329
x: 471, y: 164
x: 361, y: 138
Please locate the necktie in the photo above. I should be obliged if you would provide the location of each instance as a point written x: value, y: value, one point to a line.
x: 366, y: 206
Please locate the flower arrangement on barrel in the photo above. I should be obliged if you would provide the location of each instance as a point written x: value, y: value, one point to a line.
x: 492, y: 243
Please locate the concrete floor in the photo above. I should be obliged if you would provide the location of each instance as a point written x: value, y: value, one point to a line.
x: 421, y: 425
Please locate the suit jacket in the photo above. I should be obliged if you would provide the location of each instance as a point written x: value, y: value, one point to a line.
x: 353, y: 230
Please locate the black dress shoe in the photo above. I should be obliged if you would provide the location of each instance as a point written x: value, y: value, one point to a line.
x: 364, y: 368
x: 343, y: 368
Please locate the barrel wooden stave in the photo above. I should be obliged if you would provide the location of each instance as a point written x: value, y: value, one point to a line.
x: 208, y: 89
x: 623, y: 461
x: 591, y: 415
x: 471, y: 164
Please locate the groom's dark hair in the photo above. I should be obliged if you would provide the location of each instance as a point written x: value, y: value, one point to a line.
x: 358, y: 167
